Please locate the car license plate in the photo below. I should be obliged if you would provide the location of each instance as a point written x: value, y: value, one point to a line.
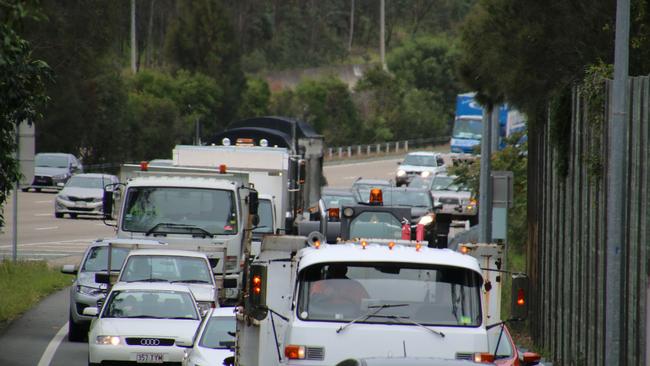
x: 149, y: 358
x: 81, y: 204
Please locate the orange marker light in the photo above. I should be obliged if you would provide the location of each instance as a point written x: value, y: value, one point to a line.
x: 483, y: 357
x: 464, y: 249
x: 376, y: 197
x: 364, y: 244
x: 294, y: 352
x: 521, y: 300
x: 317, y: 244
x: 418, y: 246
x: 257, y: 284
x: 222, y: 169
x: 144, y: 166
x: 334, y: 213
x: 391, y: 245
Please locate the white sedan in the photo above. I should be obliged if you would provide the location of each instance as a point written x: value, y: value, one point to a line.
x: 142, y: 323
x: 215, y: 339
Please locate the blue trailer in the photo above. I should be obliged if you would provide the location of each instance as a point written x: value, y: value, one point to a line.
x: 468, y: 123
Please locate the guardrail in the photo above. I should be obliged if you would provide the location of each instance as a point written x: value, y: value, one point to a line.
x: 381, y: 148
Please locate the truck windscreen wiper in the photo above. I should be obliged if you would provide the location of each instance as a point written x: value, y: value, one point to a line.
x: 407, y: 320
x: 375, y: 309
x: 190, y: 228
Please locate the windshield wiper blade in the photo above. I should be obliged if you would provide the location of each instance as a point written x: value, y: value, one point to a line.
x: 190, y: 281
x: 149, y: 280
x: 377, y: 309
x: 180, y: 317
x: 191, y: 228
x: 406, y: 319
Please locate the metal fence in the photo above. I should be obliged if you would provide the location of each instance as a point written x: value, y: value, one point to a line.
x: 382, y: 148
x: 567, y: 234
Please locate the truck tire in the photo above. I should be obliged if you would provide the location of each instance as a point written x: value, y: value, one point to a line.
x: 73, y: 215
x: 58, y: 215
x: 25, y: 189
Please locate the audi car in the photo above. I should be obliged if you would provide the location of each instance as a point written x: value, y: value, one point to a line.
x: 143, y: 322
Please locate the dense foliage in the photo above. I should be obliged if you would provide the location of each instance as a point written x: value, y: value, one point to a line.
x: 22, y: 84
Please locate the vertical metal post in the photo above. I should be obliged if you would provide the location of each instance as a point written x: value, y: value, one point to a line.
x: 485, y: 194
x: 616, y: 188
x: 14, y: 225
x: 495, y: 128
x: 406, y: 145
x: 134, y: 45
x: 382, y: 38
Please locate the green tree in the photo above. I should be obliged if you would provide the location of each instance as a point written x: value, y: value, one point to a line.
x: 22, y: 90
x: 201, y: 39
x: 256, y: 98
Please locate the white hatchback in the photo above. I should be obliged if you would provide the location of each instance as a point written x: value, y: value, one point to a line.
x: 142, y: 323
x: 215, y: 340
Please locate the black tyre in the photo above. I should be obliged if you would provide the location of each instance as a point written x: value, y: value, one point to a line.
x: 473, y: 220
x: 37, y: 189
x: 76, y: 332
x: 58, y: 215
x: 25, y: 189
x: 73, y: 216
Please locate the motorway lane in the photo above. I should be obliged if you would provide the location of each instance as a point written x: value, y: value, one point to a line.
x: 41, y: 235
x: 26, y: 339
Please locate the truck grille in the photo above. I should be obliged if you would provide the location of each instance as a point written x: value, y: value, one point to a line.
x: 315, y: 353
x: 464, y: 356
x: 448, y: 200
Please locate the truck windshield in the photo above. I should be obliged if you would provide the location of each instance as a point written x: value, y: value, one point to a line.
x: 377, y: 225
x: 189, y: 209
x: 467, y: 129
x: 430, y: 295
x: 265, y: 212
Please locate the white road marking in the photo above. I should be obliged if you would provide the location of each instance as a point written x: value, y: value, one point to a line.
x: 47, y: 228
x: 87, y: 241
x: 43, y: 214
x: 48, y: 201
x: 47, y: 356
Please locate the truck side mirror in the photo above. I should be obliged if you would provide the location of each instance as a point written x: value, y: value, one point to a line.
x: 256, y: 304
x: 253, y: 202
x: 302, y: 171
x: 107, y: 204
x: 519, y: 305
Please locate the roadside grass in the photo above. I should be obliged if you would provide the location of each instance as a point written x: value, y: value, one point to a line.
x: 24, y: 283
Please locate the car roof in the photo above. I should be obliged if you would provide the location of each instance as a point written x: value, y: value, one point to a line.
x: 423, y: 153
x: 336, y: 191
x: 55, y: 154
x: 168, y: 252
x: 94, y: 175
x: 383, y: 182
x: 223, y: 312
x: 156, y: 286
x: 405, y: 189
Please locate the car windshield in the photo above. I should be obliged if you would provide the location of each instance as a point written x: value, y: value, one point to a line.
x: 410, y: 198
x: 166, y: 268
x: 334, y: 201
x: 377, y: 225
x: 445, y: 183
x: 51, y: 161
x: 150, y: 304
x: 97, y: 259
x: 87, y: 182
x: 265, y: 213
x: 420, y: 182
x: 426, y: 294
x: 420, y: 160
x: 467, y: 129
x: 218, y: 333
x: 164, y: 210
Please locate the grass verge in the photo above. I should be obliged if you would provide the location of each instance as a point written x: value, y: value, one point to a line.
x: 24, y: 283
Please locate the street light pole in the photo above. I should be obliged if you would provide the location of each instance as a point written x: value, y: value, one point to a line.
x: 134, y: 45
x: 485, y: 186
x: 382, y: 38
x: 616, y: 187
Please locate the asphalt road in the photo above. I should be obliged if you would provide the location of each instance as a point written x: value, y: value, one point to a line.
x: 39, y: 337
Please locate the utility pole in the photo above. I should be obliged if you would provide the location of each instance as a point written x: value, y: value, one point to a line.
x: 14, y: 224
x: 485, y: 194
x: 495, y: 128
x: 616, y: 187
x: 382, y: 38
x: 134, y: 44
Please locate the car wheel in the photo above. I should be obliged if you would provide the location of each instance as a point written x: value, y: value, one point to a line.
x: 76, y: 332
x: 25, y: 189
x: 473, y: 221
x: 37, y: 189
x: 73, y: 216
x: 58, y: 215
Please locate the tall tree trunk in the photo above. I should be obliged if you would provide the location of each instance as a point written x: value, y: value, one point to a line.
x: 150, y: 45
x: 351, y: 26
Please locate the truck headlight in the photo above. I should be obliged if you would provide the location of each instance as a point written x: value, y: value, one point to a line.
x: 401, y: 173
x: 108, y: 340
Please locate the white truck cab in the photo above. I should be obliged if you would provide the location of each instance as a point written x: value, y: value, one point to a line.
x: 320, y: 304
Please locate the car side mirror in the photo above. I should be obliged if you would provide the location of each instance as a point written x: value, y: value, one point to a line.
x: 438, y: 206
x: 107, y: 204
x: 103, y: 277
x: 253, y: 202
x: 185, y: 343
x: 69, y: 269
x: 91, y: 311
x: 531, y: 358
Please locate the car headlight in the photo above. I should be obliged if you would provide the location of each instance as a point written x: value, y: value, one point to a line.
x: 60, y: 176
x: 401, y: 173
x: 98, y: 199
x: 87, y: 290
x: 425, y: 174
x: 204, y: 306
x: 63, y: 197
x: 108, y: 340
x: 426, y: 220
